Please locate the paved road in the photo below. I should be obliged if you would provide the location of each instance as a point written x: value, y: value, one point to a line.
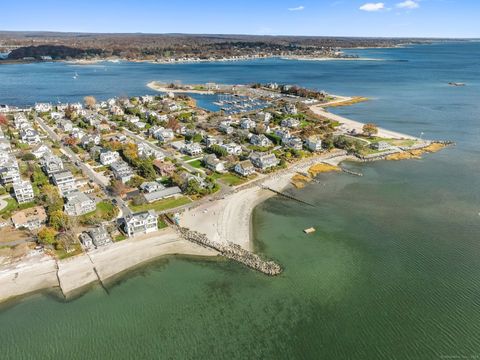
x: 92, y: 175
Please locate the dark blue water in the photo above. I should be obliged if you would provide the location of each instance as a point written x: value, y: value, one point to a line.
x: 393, y: 271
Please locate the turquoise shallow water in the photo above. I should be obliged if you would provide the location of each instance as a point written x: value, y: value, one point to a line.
x: 391, y: 273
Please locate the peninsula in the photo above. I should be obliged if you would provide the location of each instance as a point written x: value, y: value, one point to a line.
x: 92, y: 189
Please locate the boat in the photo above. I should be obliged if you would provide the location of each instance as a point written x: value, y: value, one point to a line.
x: 309, y: 230
x: 75, y: 76
x: 456, y: 84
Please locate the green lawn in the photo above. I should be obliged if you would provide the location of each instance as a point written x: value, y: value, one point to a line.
x: 230, y: 179
x: 105, y: 211
x: 186, y: 158
x: 11, y: 206
x: 118, y: 238
x: 161, y: 204
x: 197, y: 164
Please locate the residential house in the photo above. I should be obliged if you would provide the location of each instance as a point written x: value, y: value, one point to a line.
x: 294, y: 143
x: 290, y: 109
x: 381, y: 146
x: 77, y: 203
x: 43, y: 107
x: 232, y: 149
x: 164, y: 135
x: 263, y: 161
x: 51, y: 164
x: 144, y: 150
x: 225, y: 128
x: 164, y: 168
x: 57, y: 115
x: 65, y: 182
x: 264, y: 117
x: 260, y: 140
x: 140, y: 223
x: 5, y: 145
x: 314, y: 143
x: 29, y: 136
x: 290, y: 123
x: 30, y: 219
x: 213, y: 163
x: 121, y: 171
x: 212, y: 140
x: 193, y: 149
x: 109, y: 157
x: 164, y: 193
x: 151, y: 186
x: 65, y: 125
x: 23, y: 191
x: 245, y: 168
x: 90, y: 139
x: 9, y: 172
x: 41, y: 150
x: 247, y: 124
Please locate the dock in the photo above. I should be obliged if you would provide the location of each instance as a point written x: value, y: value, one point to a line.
x: 309, y: 230
x: 287, y: 196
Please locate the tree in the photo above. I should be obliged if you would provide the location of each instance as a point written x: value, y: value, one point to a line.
x: 3, y: 120
x: 90, y: 102
x: 118, y: 188
x: 52, y: 198
x: 135, y: 181
x: 218, y: 150
x: 370, y: 129
x: 46, y: 236
x: 28, y: 157
x: 70, y: 141
x: 58, y: 220
x: 146, y: 169
x: 67, y: 241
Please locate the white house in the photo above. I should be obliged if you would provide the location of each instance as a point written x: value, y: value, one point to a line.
x: 23, y: 191
x: 245, y: 168
x: 247, y: 123
x: 213, y: 163
x: 290, y: 123
x: 314, y: 143
x: 232, y: 149
x: 260, y: 140
x: 41, y: 150
x: 193, y: 149
x: 109, y: 157
x: 140, y: 223
x: 65, y: 182
x: 121, y: 171
x: 77, y: 204
x: 263, y: 161
x: 51, y: 164
x: 43, y: 107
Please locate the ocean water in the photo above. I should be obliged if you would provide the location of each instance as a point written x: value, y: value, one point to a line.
x: 393, y: 271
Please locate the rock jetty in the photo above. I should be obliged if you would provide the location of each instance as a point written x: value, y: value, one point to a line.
x: 233, y: 251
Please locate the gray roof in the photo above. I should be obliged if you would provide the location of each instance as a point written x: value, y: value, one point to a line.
x: 160, y: 194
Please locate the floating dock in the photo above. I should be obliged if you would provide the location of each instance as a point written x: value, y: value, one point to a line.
x: 309, y: 230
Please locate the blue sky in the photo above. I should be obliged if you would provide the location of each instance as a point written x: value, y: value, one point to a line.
x: 432, y: 18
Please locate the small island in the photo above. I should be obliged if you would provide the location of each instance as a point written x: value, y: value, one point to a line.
x: 92, y: 189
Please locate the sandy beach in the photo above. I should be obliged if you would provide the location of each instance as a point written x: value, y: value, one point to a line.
x: 229, y: 219
x: 37, y: 271
x: 154, y: 85
x: 355, y: 125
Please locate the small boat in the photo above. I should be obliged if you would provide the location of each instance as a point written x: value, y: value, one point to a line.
x: 75, y: 76
x: 309, y: 230
x: 456, y: 84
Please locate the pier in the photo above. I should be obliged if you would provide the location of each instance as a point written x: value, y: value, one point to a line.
x: 287, y: 196
x: 233, y: 251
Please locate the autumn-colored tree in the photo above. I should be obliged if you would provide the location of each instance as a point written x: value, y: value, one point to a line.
x: 3, y: 120
x: 46, y: 236
x: 70, y: 141
x: 118, y: 188
x: 370, y: 129
x: 90, y: 102
x: 52, y: 198
x: 69, y: 112
x: 173, y: 124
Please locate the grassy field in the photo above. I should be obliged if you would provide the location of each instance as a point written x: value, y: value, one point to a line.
x: 197, y: 164
x: 105, y: 211
x: 230, y: 179
x: 161, y: 204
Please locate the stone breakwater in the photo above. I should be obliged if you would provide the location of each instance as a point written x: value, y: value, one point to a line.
x: 233, y: 251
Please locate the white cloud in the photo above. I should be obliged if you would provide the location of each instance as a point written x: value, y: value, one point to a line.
x: 408, y: 4
x: 373, y: 7
x: 298, y: 8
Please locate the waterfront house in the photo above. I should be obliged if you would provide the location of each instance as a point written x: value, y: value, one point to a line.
x: 23, y: 191
x: 381, y: 146
x: 293, y: 143
x: 314, y: 143
x: 77, y: 203
x: 290, y: 109
x: 65, y: 182
x: 57, y: 115
x: 30, y: 219
x: 245, y: 168
x: 263, y: 161
x: 43, y: 107
x: 164, y: 193
x: 213, y: 163
x: 97, y: 236
x: 51, y: 164
x: 121, y: 171
x: 260, y: 140
x: 109, y: 157
x: 140, y: 223
x: 212, y: 140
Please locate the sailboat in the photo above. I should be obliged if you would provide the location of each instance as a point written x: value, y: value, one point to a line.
x: 75, y: 76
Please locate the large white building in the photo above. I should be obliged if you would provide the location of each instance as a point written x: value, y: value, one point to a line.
x: 23, y: 191
x: 77, y: 203
x: 65, y: 182
x: 140, y: 223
